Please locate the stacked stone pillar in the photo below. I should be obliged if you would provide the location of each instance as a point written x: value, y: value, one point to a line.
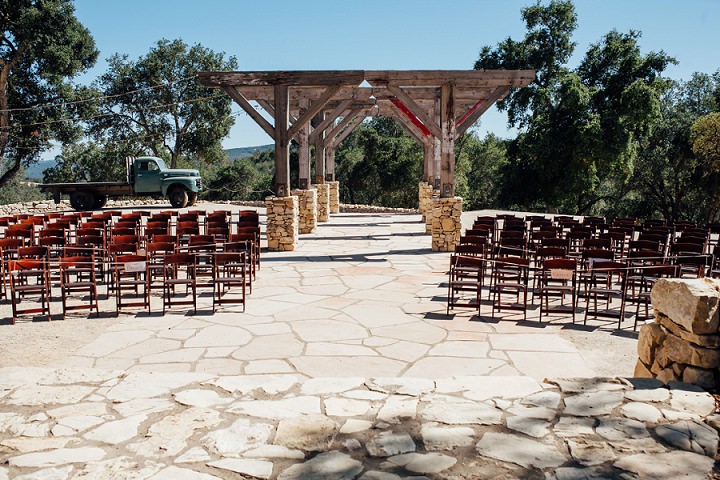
x: 334, y: 196
x: 425, y: 195
x: 683, y: 344
x: 282, y: 223
x: 446, y: 224
x: 307, y: 210
x: 323, y: 202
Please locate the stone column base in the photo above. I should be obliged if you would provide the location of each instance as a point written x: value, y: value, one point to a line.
x: 446, y: 224
x: 282, y: 223
x: 307, y: 210
x: 425, y: 195
x: 334, y: 196
x: 323, y: 202
x: 429, y: 206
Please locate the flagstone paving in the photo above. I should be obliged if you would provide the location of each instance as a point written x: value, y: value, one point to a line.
x: 344, y: 365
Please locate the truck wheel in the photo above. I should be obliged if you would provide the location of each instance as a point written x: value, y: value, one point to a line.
x: 100, y: 201
x: 178, y: 197
x: 192, y: 198
x: 82, y: 200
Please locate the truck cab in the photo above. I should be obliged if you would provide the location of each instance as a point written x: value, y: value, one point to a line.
x: 153, y: 177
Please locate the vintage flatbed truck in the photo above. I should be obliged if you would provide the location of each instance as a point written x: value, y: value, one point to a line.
x: 146, y: 177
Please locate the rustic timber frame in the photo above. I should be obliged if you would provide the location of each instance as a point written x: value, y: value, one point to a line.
x: 434, y: 106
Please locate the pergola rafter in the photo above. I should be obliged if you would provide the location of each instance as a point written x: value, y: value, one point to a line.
x: 434, y: 106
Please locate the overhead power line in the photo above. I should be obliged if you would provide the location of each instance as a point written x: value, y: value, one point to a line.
x: 93, y: 99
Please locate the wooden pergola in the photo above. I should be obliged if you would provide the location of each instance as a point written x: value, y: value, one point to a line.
x: 434, y: 106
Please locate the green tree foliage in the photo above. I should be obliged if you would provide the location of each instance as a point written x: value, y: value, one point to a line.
x: 17, y: 189
x: 178, y: 120
x: 669, y: 180
x: 479, y: 164
x: 580, y: 129
x: 705, y: 138
x: 42, y: 45
x: 234, y: 181
x: 379, y: 165
x: 89, y: 162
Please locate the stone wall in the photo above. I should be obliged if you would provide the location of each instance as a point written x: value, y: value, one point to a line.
x: 425, y: 195
x: 323, y: 202
x: 282, y: 223
x: 446, y: 224
x: 683, y: 344
x: 307, y: 209
x: 334, y: 197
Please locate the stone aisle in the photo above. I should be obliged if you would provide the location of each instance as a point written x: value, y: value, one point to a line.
x: 93, y: 424
x: 363, y: 296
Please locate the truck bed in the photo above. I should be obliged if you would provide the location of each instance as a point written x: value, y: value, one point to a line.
x: 103, y: 188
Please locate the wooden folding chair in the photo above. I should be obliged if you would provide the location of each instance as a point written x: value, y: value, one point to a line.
x: 557, y: 277
x: 77, y: 276
x: 179, y: 271
x: 511, y: 276
x: 230, y: 269
x: 602, y: 286
x: 130, y: 277
x: 29, y: 277
x: 465, y: 280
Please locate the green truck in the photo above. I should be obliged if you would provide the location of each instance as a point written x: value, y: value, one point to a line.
x: 146, y: 177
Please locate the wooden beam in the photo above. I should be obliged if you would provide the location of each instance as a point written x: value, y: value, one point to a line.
x: 304, y: 152
x: 481, y: 107
x: 314, y: 109
x: 267, y: 106
x: 320, y: 152
x: 254, y: 114
x: 447, y: 141
x: 415, y: 109
x: 350, y: 128
x: 330, y: 117
x: 463, y: 78
x: 282, y: 142
x: 407, y: 125
x: 303, y: 78
x: 339, y: 127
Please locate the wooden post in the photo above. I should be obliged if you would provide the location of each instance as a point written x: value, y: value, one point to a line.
x: 282, y: 141
x: 304, y: 151
x: 320, y: 153
x: 330, y: 161
x: 447, y: 140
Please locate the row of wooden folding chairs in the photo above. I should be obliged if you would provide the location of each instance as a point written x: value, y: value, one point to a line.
x: 599, y: 281
x: 134, y: 277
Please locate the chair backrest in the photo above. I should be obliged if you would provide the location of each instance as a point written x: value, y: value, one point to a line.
x: 224, y: 258
x: 34, y: 251
x: 555, y: 242
x: 546, y: 253
x: 131, y: 239
x: 160, y: 248
x: 609, y: 267
x: 560, y: 264
x: 597, y: 244
x: 25, y: 264
x: 117, y: 231
x: 467, y: 262
x: 472, y: 240
x: 664, y: 270
x: 470, y: 249
x: 164, y: 238
x: 178, y: 259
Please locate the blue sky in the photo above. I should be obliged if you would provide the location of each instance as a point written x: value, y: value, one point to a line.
x: 385, y: 34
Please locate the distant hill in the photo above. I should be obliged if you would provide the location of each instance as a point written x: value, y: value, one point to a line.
x: 243, y: 152
x: 35, y: 171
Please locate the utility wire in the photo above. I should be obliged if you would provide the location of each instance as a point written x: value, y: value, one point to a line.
x: 102, y: 97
